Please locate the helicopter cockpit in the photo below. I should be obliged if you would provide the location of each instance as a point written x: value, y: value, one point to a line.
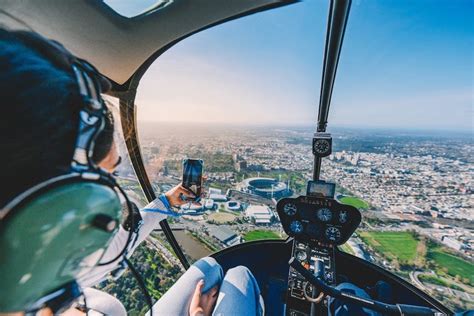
x: 301, y: 270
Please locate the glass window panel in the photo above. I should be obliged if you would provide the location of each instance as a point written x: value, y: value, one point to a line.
x: 224, y: 96
x: 243, y: 96
x: 153, y: 258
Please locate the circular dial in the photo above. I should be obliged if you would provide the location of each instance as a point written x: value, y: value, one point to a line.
x: 296, y: 227
x: 324, y: 214
x: 333, y: 234
x: 321, y: 146
x: 301, y: 255
x: 343, y: 216
x: 290, y: 209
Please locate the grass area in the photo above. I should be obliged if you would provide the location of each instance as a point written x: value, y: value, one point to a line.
x: 432, y: 279
x: 399, y: 246
x: 261, y: 234
x: 429, y: 278
x: 455, y: 266
x: 356, y: 202
x: 221, y: 217
x: 404, y: 248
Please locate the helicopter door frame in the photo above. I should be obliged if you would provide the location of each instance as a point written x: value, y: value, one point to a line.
x: 126, y: 93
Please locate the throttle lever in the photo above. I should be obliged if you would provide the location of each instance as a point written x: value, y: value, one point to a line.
x: 386, y: 309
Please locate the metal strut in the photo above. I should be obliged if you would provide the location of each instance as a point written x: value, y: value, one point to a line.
x: 337, y: 21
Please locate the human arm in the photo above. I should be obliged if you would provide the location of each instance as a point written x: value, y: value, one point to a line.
x: 150, y: 221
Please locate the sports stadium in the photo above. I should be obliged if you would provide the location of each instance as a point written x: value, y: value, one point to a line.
x: 266, y: 187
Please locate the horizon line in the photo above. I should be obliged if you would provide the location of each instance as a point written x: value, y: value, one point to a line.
x: 308, y: 124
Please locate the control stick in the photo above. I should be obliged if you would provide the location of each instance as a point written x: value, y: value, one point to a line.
x: 386, y: 309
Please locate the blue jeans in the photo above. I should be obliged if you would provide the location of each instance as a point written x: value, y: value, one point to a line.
x: 239, y: 293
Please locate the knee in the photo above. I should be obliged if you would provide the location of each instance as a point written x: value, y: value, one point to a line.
x: 207, y: 263
x: 239, y: 271
x: 210, y: 269
x: 242, y: 275
x: 242, y: 278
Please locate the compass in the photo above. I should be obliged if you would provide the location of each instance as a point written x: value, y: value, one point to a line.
x: 322, y: 144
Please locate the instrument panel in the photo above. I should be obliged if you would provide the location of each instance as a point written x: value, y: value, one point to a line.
x: 317, y: 219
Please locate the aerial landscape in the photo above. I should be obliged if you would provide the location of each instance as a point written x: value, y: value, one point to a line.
x: 414, y: 189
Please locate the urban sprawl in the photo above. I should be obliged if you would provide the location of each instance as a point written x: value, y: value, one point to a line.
x: 417, y: 182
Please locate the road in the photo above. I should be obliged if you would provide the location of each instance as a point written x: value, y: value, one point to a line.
x: 431, y: 288
x: 414, y: 279
x: 358, y: 251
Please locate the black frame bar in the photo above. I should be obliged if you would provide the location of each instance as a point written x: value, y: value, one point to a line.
x: 336, y: 27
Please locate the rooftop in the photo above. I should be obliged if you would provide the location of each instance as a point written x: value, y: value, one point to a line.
x: 222, y: 233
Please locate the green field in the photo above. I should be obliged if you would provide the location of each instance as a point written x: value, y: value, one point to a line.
x: 393, y: 245
x: 454, y: 265
x: 261, y: 234
x: 403, y: 247
x: 356, y: 202
x: 428, y: 278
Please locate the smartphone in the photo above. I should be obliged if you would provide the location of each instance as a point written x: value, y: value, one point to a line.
x: 192, y: 175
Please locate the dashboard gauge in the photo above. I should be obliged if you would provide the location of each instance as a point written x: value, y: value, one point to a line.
x: 301, y: 255
x: 333, y: 234
x: 322, y: 146
x: 324, y: 214
x: 296, y: 227
x: 343, y: 216
x: 290, y: 209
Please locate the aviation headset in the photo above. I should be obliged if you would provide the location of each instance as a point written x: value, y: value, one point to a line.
x: 57, y: 231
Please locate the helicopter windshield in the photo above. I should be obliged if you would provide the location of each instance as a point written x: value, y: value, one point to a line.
x: 242, y: 97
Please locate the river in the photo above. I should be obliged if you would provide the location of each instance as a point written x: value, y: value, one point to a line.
x: 190, y: 245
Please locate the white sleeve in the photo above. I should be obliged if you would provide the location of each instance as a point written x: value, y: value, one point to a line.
x: 150, y: 221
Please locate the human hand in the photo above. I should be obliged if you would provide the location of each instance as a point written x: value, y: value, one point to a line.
x: 179, y: 195
x: 202, y: 304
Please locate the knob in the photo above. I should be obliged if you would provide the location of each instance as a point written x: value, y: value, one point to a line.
x: 104, y: 222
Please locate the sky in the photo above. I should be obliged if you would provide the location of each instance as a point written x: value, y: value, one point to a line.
x: 404, y: 64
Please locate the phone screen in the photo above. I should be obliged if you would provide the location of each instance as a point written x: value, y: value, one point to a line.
x: 192, y: 175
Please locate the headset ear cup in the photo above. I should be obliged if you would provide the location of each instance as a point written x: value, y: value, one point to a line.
x: 51, y: 239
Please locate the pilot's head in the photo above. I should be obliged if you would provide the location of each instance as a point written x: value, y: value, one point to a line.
x: 42, y: 102
x: 40, y: 108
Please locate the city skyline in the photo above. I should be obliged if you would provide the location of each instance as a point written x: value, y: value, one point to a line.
x: 429, y: 131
